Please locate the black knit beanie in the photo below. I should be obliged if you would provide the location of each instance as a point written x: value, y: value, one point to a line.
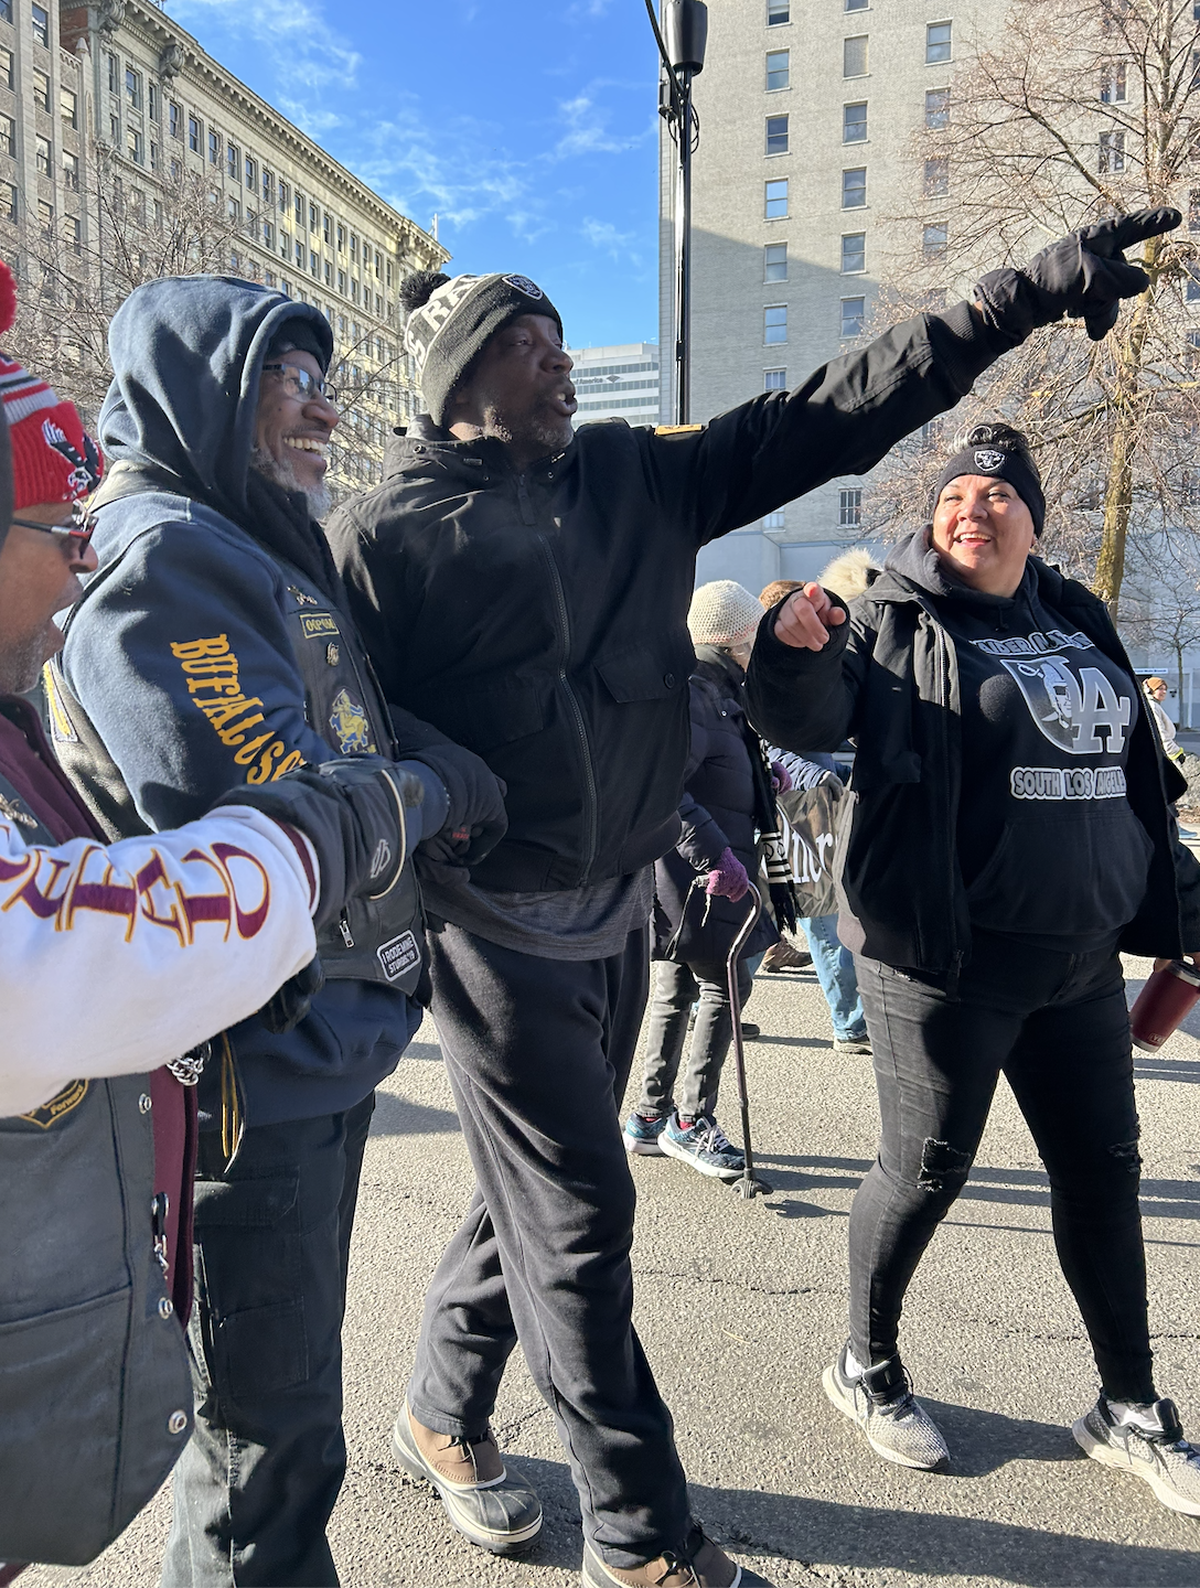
x: 1000, y: 452
x: 450, y: 320
x: 298, y: 336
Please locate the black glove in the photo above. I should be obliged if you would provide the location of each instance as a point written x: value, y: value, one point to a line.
x: 352, y: 812
x: 294, y: 999
x: 476, y: 820
x: 1084, y: 275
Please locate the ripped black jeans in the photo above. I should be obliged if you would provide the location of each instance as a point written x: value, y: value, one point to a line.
x: 1056, y: 1025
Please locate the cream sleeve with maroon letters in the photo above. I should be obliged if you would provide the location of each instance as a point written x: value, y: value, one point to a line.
x: 116, y: 958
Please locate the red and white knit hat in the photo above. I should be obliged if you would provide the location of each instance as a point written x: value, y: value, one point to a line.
x: 53, y: 457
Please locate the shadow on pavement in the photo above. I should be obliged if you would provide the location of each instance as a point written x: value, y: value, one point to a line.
x: 396, y: 1116
x: 759, y: 1525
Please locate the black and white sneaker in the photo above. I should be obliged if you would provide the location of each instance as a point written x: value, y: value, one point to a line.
x: 882, y: 1403
x: 1161, y: 1457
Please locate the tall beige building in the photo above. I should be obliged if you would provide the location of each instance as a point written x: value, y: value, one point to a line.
x: 807, y: 118
x: 116, y: 92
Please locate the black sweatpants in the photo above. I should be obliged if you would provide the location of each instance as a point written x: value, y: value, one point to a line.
x: 1056, y: 1025
x: 538, y: 1052
x: 263, y: 1468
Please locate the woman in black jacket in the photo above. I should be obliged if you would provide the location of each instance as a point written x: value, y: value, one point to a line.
x: 727, y: 803
x: 1009, y: 832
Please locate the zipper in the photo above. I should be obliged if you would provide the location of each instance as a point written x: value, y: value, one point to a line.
x: 949, y: 825
x: 528, y: 516
x: 591, y: 798
x: 344, y: 929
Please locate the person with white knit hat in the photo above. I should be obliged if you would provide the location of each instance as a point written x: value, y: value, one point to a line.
x: 728, y: 800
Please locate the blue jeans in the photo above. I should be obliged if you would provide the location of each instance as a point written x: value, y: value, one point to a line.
x: 834, y: 966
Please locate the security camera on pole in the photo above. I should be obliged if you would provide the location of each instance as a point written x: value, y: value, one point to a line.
x: 685, y: 26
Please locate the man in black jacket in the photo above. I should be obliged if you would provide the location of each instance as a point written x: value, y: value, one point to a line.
x: 525, y: 590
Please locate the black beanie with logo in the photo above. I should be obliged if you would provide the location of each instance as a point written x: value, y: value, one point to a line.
x: 451, y: 318
x: 1000, y: 452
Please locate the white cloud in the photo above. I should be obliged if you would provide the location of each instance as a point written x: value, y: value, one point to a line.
x: 306, y: 55
x: 587, y: 128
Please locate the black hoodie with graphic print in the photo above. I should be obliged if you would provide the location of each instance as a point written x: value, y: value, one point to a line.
x: 1007, y: 776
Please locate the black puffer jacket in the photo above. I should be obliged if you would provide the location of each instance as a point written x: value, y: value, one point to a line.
x: 889, y: 679
x: 726, y: 803
x: 539, y: 618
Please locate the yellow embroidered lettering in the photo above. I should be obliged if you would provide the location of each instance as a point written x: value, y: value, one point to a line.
x: 193, y: 650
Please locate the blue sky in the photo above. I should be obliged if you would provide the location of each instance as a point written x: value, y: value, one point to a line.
x: 529, y: 126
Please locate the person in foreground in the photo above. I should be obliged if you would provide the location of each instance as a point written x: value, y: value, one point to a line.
x: 524, y: 588
x: 117, y: 962
x: 212, y: 647
x: 1011, y: 832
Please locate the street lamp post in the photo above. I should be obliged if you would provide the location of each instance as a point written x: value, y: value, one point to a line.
x: 681, y: 43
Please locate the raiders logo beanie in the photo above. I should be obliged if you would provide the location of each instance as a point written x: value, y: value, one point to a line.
x: 450, y: 320
x: 1001, y: 452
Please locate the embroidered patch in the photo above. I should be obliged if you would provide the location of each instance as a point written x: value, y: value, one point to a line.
x: 398, y: 955
x: 523, y: 284
x: 61, y: 1103
x: 318, y: 626
x: 351, y: 729
x: 987, y: 460
x: 676, y: 430
x: 214, y: 683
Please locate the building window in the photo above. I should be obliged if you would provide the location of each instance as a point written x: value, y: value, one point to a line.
x: 774, y: 380
x: 233, y: 162
x: 775, y: 324
x: 8, y: 135
x: 214, y: 148
x: 74, y: 230
x: 937, y: 42
x: 855, y: 5
x: 68, y: 106
x: 114, y: 131
x: 41, y: 91
x: 854, y: 123
x: 134, y: 146
x: 174, y: 120
x: 854, y: 253
x: 934, y: 239
x: 314, y: 264
x: 775, y: 262
x: 854, y: 56
x: 176, y: 171
x: 342, y: 283
x: 300, y: 210
x: 378, y: 265
x: 285, y: 244
x: 776, y: 200
x: 341, y: 238
x: 133, y: 87
x: 1112, y: 153
x: 854, y: 188
x: 329, y: 273
x: 41, y: 25
x: 268, y: 234
x: 327, y: 229
x: 850, y: 508
x: 312, y: 217
x: 937, y: 177
x: 777, y: 137
x: 1112, y: 83
x: 854, y: 312
x: 778, y: 12
x: 775, y: 520
x: 46, y: 217
x: 937, y: 108
x: 44, y: 157
x: 234, y: 209
x: 114, y: 74
x: 6, y: 70
x: 152, y: 101
x: 70, y: 170
x: 195, y: 135
x: 283, y: 195
x: 778, y: 70
x: 300, y: 253
x: 268, y: 188
x: 6, y: 11
x: 8, y: 201
x: 251, y: 173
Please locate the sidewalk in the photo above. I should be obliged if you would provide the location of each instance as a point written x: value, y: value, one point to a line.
x: 742, y: 1304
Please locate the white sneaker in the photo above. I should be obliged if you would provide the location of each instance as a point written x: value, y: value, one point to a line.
x: 882, y: 1403
x: 1162, y: 1458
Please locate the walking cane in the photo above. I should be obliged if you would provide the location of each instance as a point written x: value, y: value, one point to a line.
x: 747, y: 1184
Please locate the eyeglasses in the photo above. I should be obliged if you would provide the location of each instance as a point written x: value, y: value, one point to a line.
x: 77, y: 534
x: 300, y: 383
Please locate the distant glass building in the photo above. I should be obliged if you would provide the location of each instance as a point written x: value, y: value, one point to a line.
x: 617, y: 382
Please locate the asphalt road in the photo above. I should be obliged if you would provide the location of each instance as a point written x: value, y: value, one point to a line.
x: 742, y: 1304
